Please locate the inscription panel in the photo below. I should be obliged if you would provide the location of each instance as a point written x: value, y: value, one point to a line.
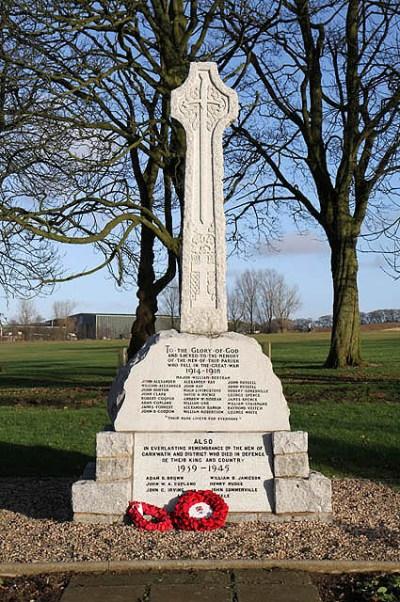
x: 189, y: 383
x: 237, y: 466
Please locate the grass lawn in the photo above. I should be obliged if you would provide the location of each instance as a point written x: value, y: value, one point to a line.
x: 54, y: 373
x: 52, y: 403
x: 352, y: 415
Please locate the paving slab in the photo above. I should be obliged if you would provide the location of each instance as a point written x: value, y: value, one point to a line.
x: 111, y: 580
x: 190, y: 593
x: 251, y: 585
x: 268, y: 576
x: 105, y: 593
x: 276, y: 593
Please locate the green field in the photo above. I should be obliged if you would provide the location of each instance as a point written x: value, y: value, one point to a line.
x: 52, y: 403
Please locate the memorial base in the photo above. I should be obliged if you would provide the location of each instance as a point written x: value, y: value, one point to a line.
x: 103, y: 493
x: 201, y: 412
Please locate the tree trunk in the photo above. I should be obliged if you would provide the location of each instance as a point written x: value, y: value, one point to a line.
x: 144, y: 325
x: 345, y: 338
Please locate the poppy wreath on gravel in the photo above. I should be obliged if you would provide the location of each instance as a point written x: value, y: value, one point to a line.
x: 158, y: 518
x: 199, y: 511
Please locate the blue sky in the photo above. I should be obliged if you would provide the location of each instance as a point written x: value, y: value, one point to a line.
x: 303, y: 260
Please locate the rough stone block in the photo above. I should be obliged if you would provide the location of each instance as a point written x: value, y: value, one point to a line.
x: 303, y: 495
x: 111, y: 444
x: 291, y: 465
x: 114, y: 469
x: 290, y: 442
x: 104, y: 498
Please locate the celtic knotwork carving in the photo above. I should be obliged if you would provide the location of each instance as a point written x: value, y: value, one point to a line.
x: 194, y: 286
x: 211, y: 285
x: 203, y: 246
x: 189, y: 106
x: 217, y: 106
x: 203, y: 98
x: 203, y: 261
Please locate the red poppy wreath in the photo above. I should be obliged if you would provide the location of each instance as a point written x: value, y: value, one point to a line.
x: 159, y: 519
x: 199, y: 511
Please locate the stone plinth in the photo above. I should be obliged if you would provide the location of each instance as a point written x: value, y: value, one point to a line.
x: 198, y: 412
x: 157, y: 467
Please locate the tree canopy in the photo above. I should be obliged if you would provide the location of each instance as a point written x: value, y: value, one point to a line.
x: 93, y: 157
x: 323, y: 138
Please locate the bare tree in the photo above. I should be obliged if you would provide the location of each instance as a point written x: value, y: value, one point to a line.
x: 286, y: 302
x: 63, y: 309
x: 3, y: 320
x: 385, y: 240
x: 27, y: 312
x: 247, y: 289
x: 170, y: 302
x: 270, y: 283
x: 235, y: 309
x: 261, y: 296
x: 26, y: 259
x: 323, y: 133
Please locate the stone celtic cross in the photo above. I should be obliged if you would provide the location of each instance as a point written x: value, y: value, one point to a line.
x: 204, y: 106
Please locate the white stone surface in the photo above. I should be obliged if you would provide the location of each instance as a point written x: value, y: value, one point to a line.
x: 303, y: 495
x: 186, y: 382
x: 112, y: 444
x: 204, y: 106
x: 237, y: 466
x: 291, y: 465
x: 287, y: 442
x: 114, y: 469
x: 102, y: 498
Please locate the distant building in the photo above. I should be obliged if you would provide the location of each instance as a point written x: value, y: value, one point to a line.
x: 112, y: 326
x: 324, y: 322
x: 378, y: 316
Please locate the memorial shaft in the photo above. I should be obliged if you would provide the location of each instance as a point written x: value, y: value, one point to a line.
x: 205, y: 107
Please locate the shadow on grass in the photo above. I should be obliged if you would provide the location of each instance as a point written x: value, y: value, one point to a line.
x: 356, y: 378
x: 36, y: 480
x: 83, y: 378
x: 40, y: 461
x: 353, y: 459
x: 341, y: 393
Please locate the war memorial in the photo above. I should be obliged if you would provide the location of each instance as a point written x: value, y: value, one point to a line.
x: 202, y: 408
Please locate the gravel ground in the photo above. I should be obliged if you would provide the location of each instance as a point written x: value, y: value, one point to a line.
x: 35, y: 515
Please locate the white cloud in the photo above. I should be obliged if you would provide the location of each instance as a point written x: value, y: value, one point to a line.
x: 296, y: 244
